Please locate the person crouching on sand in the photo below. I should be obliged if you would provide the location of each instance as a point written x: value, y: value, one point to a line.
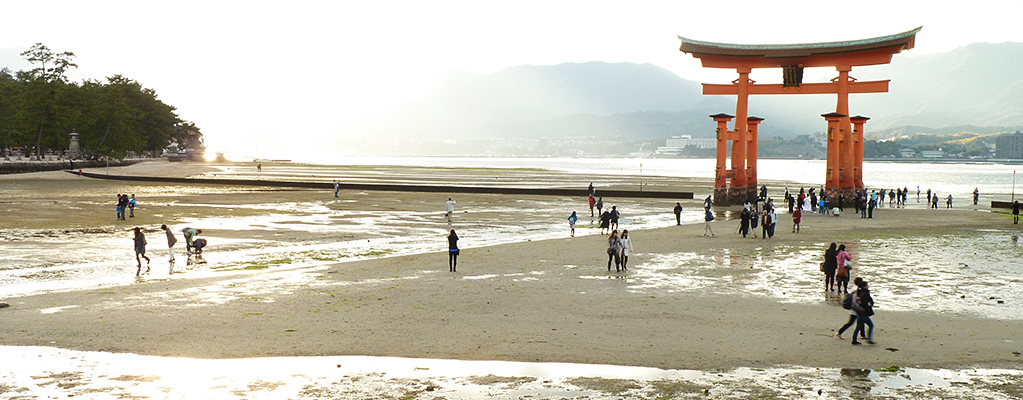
x: 140, y: 250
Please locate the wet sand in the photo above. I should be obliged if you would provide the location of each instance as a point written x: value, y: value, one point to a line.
x: 546, y: 300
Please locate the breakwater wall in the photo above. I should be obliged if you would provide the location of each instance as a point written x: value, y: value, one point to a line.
x: 395, y: 188
x: 18, y: 167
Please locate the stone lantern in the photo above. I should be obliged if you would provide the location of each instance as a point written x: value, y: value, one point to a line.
x: 74, y: 149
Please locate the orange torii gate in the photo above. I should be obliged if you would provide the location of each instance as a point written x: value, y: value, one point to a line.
x: 845, y: 143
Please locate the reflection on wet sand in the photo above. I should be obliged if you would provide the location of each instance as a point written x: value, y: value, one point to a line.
x: 55, y: 373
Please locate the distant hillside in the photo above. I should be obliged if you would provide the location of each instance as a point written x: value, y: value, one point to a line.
x: 975, y: 88
x: 540, y: 100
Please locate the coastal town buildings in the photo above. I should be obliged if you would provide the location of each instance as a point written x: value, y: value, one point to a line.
x: 676, y: 145
x: 1009, y: 145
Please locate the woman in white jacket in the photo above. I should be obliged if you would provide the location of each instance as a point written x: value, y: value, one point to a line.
x: 626, y: 248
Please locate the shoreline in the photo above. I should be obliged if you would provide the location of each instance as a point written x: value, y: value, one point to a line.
x: 543, y: 300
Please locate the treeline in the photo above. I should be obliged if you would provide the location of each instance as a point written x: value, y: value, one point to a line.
x: 116, y: 117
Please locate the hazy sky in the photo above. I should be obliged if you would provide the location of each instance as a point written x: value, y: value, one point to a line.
x: 250, y: 73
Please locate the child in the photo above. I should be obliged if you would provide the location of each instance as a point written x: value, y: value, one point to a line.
x: 796, y: 217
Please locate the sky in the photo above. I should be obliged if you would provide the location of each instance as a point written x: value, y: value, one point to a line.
x: 262, y: 76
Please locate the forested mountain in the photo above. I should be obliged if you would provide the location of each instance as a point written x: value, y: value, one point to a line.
x: 38, y: 109
x: 972, y: 88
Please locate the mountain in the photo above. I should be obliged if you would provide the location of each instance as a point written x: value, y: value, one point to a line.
x: 627, y: 106
x: 519, y: 100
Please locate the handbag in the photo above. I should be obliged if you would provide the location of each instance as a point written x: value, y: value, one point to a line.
x: 610, y: 251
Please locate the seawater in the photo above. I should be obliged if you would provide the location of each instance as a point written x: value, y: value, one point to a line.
x: 958, y: 179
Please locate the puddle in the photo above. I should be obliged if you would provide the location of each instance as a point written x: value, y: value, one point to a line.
x: 55, y: 373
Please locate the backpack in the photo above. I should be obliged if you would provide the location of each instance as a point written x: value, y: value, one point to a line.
x: 847, y: 302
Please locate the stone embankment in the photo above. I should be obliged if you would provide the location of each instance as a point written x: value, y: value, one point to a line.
x: 21, y: 166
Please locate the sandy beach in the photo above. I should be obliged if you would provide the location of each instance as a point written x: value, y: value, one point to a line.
x: 549, y: 300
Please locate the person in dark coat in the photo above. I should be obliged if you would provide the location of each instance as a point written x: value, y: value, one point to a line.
x: 864, y: 307
x: 829, y: 266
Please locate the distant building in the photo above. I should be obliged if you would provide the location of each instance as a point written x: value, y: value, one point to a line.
x: 1009, y: 145
x: 932, y: 154
x: 907, y: 153
x: 675, y: 145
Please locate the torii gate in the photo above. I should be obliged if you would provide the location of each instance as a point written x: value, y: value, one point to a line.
x: 845, y: 143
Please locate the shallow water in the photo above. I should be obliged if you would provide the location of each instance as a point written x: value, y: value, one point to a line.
x: 978, y: 274
x: 54, y: 373
x: 351, y: 228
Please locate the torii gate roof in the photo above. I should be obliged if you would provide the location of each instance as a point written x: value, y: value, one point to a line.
x: 871, y: 51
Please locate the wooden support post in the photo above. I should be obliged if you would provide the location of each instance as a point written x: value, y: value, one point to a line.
x: 857, y: 137
x: 752, y: 124
x: 831, y: 176
x: 721, y: 171
x: 738, y: 187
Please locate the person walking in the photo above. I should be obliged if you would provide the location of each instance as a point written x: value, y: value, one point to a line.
x: 765, y: 223
x: 948, y: 201
x: 934, y: 201
x: 773, y: 218
x: 614, y: 251
x: 600, y: 205
x: 744, y: 221
x: 449, y: 208
x: 171, y: 241
x: 829, y: 266
x: 976, y: 195
x: 592, y: 202
x: 571, y: 222
x: 189, y: 234
x: 337, y: 187
x: 754, y: 220
x: 843, y: 263
x: 796, y: 217
x: 707, y: 202
x: 678, y: 214
x: 928, y: 198
x: 614, y: 217
x: 864, y: 307
x: 852, y: 313
x: 140, y: 250
x: 626, y: 249
x: 131, y: 206
x: 605, y: 222
x: 708, y: 216
x: 452, y: 251
x: 1015, y: 212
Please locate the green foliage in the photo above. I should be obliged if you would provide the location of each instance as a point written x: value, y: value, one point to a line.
x: 38, y: 108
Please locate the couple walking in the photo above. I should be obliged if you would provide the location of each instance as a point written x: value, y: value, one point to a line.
x: 618, y: 249
x: 861, y: 308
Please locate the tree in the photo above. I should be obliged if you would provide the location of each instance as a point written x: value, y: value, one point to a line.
x: 47, y: 80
